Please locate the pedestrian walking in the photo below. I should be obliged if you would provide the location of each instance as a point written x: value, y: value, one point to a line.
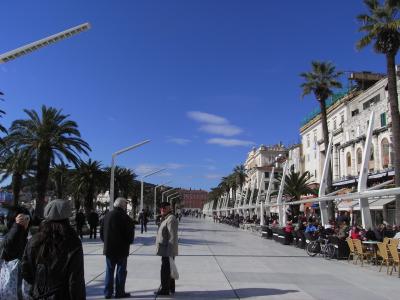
x: 53, y: 258
x: 167, y: 247
x: 93, y: 220
x: 117, y: 231
x: 143, y: 220
x: 80, y: 221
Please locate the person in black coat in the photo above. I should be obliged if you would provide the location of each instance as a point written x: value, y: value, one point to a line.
x: 93, y: 220
x: 80, y: 221
x: 15, y: 240
x: 143, y: 220
x: 117, y: 231
x: 53, y: 259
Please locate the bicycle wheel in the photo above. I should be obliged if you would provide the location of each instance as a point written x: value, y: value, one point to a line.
x: 330, y: 251
x: 313, y: 248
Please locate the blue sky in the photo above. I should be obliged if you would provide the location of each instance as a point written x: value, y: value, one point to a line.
x: 204, y: 80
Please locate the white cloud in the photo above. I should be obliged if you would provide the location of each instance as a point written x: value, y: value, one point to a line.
x: 213, y: 176
x: 206, y: 118
x: 174, y: 166
x: 229, y: 142
x: 225, y: 130
x: 143, y: 169
x: 179, y: 141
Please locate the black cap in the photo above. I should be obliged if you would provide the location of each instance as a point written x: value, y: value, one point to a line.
x: 164, y: 204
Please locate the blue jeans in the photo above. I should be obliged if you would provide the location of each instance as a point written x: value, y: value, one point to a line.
x: 120, y: 277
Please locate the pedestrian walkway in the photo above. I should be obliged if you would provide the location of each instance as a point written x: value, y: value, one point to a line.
x: 217, y: 261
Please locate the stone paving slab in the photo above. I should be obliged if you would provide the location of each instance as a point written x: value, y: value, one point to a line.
x: 217, y: 261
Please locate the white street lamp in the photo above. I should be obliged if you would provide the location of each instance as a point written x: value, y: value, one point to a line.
x: 167, y: 191
x: 155, y: 196
x: 26, y: 49
x: 113, y: 157
x: 173, y: 194
x: 141, y: 185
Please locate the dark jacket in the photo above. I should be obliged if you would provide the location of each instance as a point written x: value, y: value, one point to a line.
x: 117, y: 231
x: 14, y: 243
x: 65, y: 271
x: 93, y: 219
x: 80, y: 219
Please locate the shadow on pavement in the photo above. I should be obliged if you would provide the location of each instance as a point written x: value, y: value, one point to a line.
x: 95, y: 291
x: 185, y: 241
x: 229, y: 294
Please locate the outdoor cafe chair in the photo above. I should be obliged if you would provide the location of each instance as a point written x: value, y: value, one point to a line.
x: 395, y: 256
x: 361, y: 252
x: 353, y: 252
x: 383, y: 253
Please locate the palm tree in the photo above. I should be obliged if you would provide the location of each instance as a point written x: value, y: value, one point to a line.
x: 240, y: 175
x: 47, y: 137
x: 87, y: 180
x: 17, y: 164
x: 297, y: 185
x: 124, y: 181
x: 59, y: 174
x: 381, y: 27
x: 320, y: 82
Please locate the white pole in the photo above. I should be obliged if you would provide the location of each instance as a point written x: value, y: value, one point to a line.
x: 262, y: 221
x: 268, y: 196
x: 169, y: 190
x: 323, y: 184
x: 142, y: 184
x: 173, y: 194
x: 362, y: 181
x: 282, y: 213
x: 155, y: 196
x: 113, y: 157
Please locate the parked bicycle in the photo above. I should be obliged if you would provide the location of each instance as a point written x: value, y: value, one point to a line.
x: 322, y: 246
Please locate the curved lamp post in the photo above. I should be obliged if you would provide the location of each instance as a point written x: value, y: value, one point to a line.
x: 141, y: 184
x: 113, y: 157
x: 155, y: 196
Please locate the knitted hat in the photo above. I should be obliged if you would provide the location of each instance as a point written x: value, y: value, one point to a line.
x: 57, y: 210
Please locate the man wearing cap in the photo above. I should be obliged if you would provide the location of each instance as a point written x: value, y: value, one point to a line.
x: 117, y: 231
x: 166, y: 247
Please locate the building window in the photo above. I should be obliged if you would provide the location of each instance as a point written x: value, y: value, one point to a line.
x: 385, y: 153
x: 373, y: 100
x: 266, y: 174
x: 354, y: 112
x: 383, y: 119
x: 308, y: 140
x: 371, y: 163
x: 315, y: 173
x: 359, y: 159
x: 348, y: 163
x: 341, y: 118
x: 292, y: 168
x: 334, y: 123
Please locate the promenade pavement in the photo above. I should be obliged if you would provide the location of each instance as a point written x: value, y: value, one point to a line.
x: 217, y: 261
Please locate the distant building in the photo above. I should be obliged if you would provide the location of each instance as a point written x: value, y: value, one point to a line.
x: 192, y: 199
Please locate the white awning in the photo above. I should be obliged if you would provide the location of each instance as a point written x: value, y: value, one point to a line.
x: 374, y: 204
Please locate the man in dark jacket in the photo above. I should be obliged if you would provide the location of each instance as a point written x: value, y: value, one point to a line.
x: 80, y: 221
x: 117, y: 231
x: 143, y: 220
x: 93, y: 220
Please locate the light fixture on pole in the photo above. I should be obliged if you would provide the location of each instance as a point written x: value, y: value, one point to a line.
x: 155, y: 196
x: 173, y: 194
x: 167, y: 191
x: 26, y: 49
x: 113, y: 157
x: 141, y: 184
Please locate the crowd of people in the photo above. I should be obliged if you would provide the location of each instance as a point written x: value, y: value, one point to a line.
x: 301, y: 228
x: 51, y: 261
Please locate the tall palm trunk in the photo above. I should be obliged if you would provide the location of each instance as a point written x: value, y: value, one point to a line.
x: 16, y: 187
x: 42, y: 177
x: 325, y: 133
x: 395, y: 115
